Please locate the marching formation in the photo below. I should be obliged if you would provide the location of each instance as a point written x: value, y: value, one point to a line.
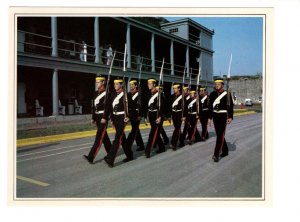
x: 186, y: 106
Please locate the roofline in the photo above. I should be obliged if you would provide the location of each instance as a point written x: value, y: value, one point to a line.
x: 162, y: 33
x: 188, y: 20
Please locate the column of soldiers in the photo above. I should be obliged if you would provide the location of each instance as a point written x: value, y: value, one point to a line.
x: 121, y: 107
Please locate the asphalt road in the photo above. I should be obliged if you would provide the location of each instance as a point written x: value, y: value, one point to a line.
x: 58, y: 170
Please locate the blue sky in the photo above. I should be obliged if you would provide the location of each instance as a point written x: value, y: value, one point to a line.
x: 241, y: 36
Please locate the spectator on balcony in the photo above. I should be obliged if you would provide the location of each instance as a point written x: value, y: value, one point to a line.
x: 109, y: 55
x: 83, y: 52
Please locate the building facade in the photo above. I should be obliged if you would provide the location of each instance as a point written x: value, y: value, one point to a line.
x: 59, y: 57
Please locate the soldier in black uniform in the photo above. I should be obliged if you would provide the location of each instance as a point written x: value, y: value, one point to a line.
x: 221, y: 110
x: 155, y: 117
x: 115, y: 109
x: 193, y: 117
x: 98, y: 110
x: 204, y: 112
x: 162, y: 130
x: 177, y: 116
x: 186, y: 123
x: 135, y: 117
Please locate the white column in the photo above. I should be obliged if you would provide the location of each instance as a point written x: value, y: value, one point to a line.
x: 200, y: 38
x: 187, y: 59
x: 54, y: 36
x: 172, y: 57
x: 55, y: 92
x: 96, y: 39
x: 128, y: 45
x: 152, y: 53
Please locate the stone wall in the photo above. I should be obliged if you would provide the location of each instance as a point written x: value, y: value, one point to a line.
x: 247, y: 87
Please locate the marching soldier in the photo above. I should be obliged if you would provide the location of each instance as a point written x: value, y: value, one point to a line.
x: 98, y: 110
x: 193, y: 118
x: 221, y: 111
x: 186, y: 124
x: 135, y: 117
x: 204, y: 113
x: 116, y: 110
x: 155, y: 114
x: 162, y: 130
x: 177, y: 116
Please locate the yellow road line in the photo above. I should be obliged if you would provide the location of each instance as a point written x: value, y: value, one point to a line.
x: 67, y: 136
x: 78, y: 135
x: 33, y: 181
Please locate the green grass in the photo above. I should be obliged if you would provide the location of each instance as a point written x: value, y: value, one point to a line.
x: 57, y: 129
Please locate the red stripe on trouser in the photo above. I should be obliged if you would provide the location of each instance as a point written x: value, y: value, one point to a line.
x: 119, y: 143
x: 100, y: 143
x: 194, y: 131
x: 154, y: 138
x: 179, y: 134
x: 223, y: 135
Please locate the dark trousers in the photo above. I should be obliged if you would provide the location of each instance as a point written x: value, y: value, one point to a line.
x: 120, y: 138
x: 101, y: 132
x: 184, y: 132
x: 204, y: 121
x: 193, y: 131
x: 154, y: 136
x: 220, y: 122
x: 176, y: 118
x: 135, y: 134
x: 163, y: 132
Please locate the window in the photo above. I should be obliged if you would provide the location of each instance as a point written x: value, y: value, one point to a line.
x: 173, y: 30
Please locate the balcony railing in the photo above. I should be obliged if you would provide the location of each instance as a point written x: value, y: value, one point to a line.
x: 70, y: 49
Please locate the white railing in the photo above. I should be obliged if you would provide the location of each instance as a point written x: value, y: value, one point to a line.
x: 41, y: 44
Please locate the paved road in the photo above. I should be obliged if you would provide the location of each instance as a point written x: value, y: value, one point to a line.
x: 58, y: 170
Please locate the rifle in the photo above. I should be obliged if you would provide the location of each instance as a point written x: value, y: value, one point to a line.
x: 159, y: 85
x: 190, y: 82
x: 197, y: 91
x: 227, y: 87
x: 139, y: 102
x: 125, y: 98
x: 182, y: 93
x: 108, y: 79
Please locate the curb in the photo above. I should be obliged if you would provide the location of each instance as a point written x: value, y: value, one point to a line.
x: 68, y: 136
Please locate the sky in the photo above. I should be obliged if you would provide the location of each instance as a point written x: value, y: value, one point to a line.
x: 241, y: 36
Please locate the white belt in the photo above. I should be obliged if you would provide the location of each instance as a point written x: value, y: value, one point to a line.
x: 193, y: 113
x: 155, y: 110
x: 119, y: 113
x: 205, y: 109
x: 177, y: 110
x: 99, y: 112
x: 137, y: 109
x: 220, y: 111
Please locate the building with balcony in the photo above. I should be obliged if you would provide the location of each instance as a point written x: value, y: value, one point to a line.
x: 59, y: 57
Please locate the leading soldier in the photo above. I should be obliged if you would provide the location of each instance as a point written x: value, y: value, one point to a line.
x: 116, y: 110
x: 98, y: 110
x: 155, y: 114
x: 221, y: 111
x: 135, y: 117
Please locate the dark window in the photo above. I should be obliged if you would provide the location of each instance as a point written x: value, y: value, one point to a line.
x: 173, y: 30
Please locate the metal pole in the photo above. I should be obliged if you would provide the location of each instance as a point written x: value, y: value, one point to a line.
x: 55, y: 92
